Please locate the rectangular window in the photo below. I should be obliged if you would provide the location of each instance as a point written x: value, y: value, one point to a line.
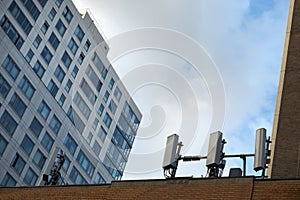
x: 61, y: 100
x: 85, y: 163
x: 29, y: 55
x: 111, y: 83
x: 58, y: 3
x: 55, y: 124
x: 30, y: 177
x: 11, y: 67
x: 42, y: 2
x: 26, y: 87
x: 87, y: 45
x: 88, y: 92
x: 89, y: 138
x: 53, y: 40
x: 52, y: 14
x: 66, y: 59
x: 107, y: 120
x: 39, y: 69
x: 60, y: 27
x: 18, y: 163
x: 81, y: 58
x: 83, y: 107
x: 8, y: 123
x: 118, y: 93
x: 67, y: 14
x: 95, y: 123
x: 66, y: 164
x: 37, y: 41
x: 36, y: 127
x: 45, y: 27
x: 4, y: 87
x: 75, y: 119
x: 70, y: 144
x: 68, y: 86
x: 11, y: 32
x: 99, y: 179
x: 75, y: 71
x: 3, y: 144
x: 132, y: 119
x: 20, y: 17
x: 31, y: 8
x: 112, y: 106
x: 73, y: 46
x: 27, y: 145
x: 116, y: 174
x: 98, y: 63
x: 46, y: 54
x: 79, y: 33
x: 52, y: 87
x: 8, y: 181
x: 100, y: 110
x: 47, y: 141
x: 96, y: 148
x: 93, y: 77
x: 17, y: 105
x: 76, y: 177
x: 106, y: 96
x: 44, y: 110
x: 59, y: 74
x: 104, y: 73
x: 39, y: 159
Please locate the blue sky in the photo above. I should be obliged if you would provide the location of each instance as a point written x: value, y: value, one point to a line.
x: 242, y: 39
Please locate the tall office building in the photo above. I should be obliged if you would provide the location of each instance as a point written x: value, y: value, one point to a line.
x: 59, y: 91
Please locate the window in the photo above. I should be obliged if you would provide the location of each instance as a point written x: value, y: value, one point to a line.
x: 102, y: 133
x: 52, y: 14
x: 61, y: 100
x: 98, y: 63
x: 111, y: 83
x: 55, y: 124
x: 11, y: 67
x: 8, y: 123
x: 29, y: 55
x: 31, y: 8
x: 58, y: 3
x: 66, y: 164
x: 106, y: 96
x: 44, y: 110
x: 39, y: 159
x: 118, y: 94
x: 17, y: 105
x: 37, y: 41
x: 112, y: 106
x: 52, y: 87
x: 132, y: 119
x: 18, y: 163
x: 96, y: 148
x: 85, y: 163
x: 60, y: 27
x: 8, y: 180
x: 75, y: 71
x: 100, y: 110
x: 76, y: 177
x: 95, y: 123
x: 47, y: 141
x: 39, y: 69
x: 104, y: 73
x: 99, y: 179
x: 4, y: 87
x: 107, y: 120
x: 73, y: 46
x: 116, y: 174
x: 67, y: 14
x: 42, y: 2
x: 30, y: 177
x: 59, y: 74
x: 68, y: 85
x: 45, y: 27
x: 81, y: 58
x: 53, y: 41
x: 11, y: 32
x: 3, y: 144
x: 70, y: 144
x: 120, y: 142
x: 88, y: 92
x: 83, y: 107
x: 87, y: 45
x: 46, y: 54
x: 94, y: 78
x: 89, y: 138
x: 20, y: 17
x: 36, y: 127
x: 79, y: 33
x: 27, y: 145
x: 76, y: 120
x: 66, y: 60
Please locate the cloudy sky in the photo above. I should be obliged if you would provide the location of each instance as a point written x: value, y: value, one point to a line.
x: 194, y: 67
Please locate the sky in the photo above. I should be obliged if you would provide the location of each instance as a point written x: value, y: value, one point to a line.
x: 194, y: 67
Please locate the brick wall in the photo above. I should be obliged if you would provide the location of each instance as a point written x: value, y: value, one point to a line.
x: 179, y: 188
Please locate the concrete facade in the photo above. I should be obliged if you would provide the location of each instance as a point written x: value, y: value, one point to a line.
x: 59, y: 91
x: 285, y: 147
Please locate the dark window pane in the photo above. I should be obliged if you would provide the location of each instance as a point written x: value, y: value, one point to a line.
x: 18, y: 105
x: 36, y: 127
x: 27, y: 144
x: 8, y: 123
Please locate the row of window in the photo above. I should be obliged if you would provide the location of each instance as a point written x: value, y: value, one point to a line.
x: 31, y: 8
x: 20, y: 17
x: 11, y: 32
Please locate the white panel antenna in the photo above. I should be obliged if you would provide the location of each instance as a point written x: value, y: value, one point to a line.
x: 171, y: 156
x: 214, y: 149
x: 260, y: 149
